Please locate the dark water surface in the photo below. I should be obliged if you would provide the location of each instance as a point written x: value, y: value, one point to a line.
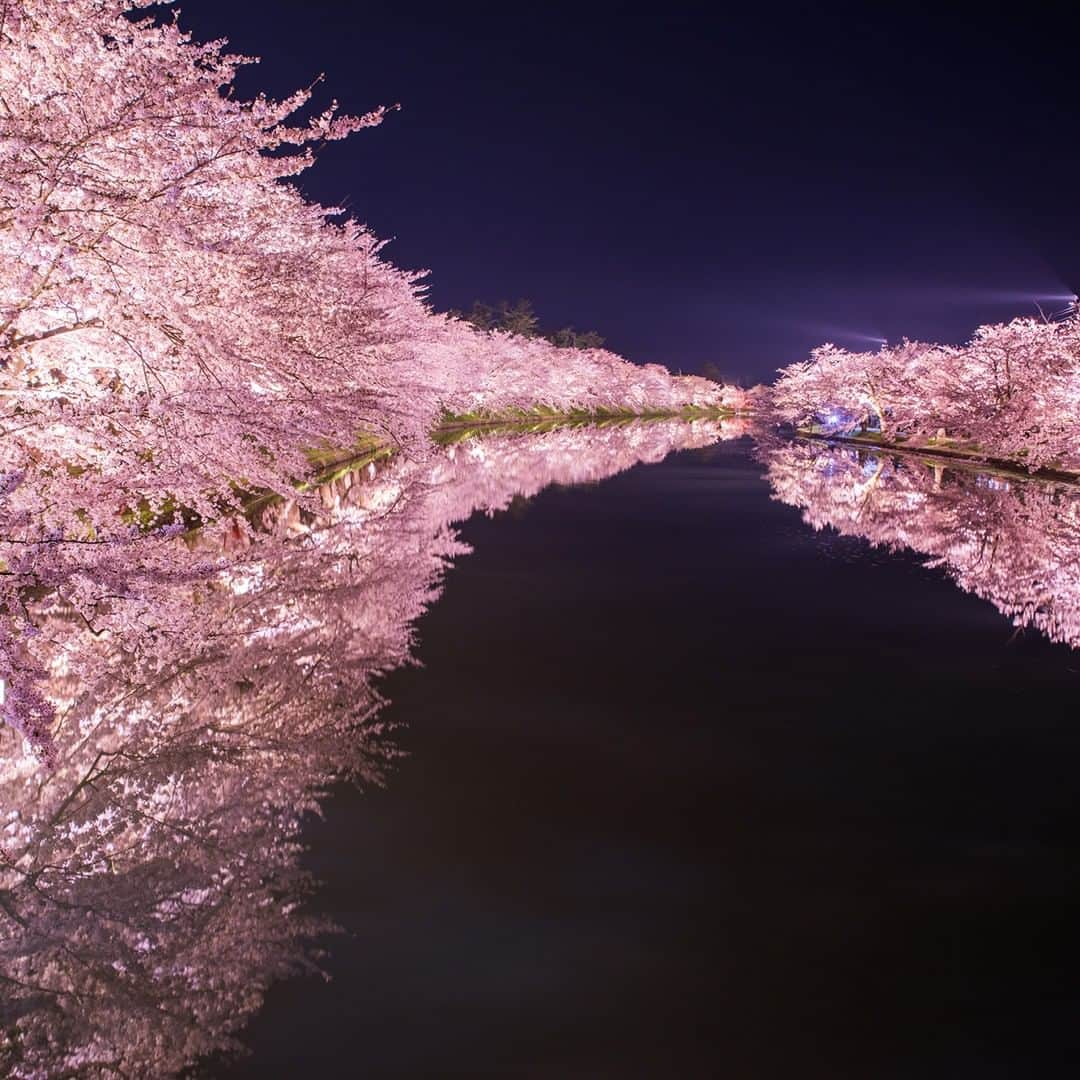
x: 694, y: 790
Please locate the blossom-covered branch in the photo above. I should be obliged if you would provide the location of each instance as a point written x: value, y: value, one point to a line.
x: 1010, y: 393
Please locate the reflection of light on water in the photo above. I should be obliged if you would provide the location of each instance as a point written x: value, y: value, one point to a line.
x: 994, y: 483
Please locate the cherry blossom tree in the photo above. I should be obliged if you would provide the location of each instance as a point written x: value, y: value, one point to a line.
x: 179, y: 327
x: 172, y: 309
x: 1009, y: 393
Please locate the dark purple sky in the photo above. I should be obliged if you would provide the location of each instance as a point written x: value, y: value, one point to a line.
x: 701, y: 183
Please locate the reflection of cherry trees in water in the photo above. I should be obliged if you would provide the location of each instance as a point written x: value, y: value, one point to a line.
x: 1014, y: 542
x: 189, y: 699
x: 197, y: 698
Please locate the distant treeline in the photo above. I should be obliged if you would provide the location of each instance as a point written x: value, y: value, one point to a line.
x: 520, y: 318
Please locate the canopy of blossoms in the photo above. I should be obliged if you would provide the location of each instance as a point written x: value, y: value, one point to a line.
x: 1013, y: 392
x: 176, y: 319
x: 180, y: 328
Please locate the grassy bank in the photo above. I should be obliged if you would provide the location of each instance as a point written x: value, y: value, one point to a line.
x: 327, y: 464
x: 332, y: 463
x: 455, y: 427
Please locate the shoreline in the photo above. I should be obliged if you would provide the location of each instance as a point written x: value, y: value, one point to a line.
x: 963, y: 457
x: 460, y: 427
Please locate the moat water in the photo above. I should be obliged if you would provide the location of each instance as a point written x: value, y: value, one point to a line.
x: 721, y: 758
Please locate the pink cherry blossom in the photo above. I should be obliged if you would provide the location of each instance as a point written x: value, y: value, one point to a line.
x: 1010, y: 393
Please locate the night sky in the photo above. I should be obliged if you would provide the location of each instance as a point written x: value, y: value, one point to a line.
x: 700, y: 183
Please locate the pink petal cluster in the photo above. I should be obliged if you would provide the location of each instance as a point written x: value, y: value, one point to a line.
x: 178, y: 325
x: 1011, y: 392
x: 173, y: 311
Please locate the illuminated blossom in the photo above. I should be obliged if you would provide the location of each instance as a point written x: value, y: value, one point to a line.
x: 1010, y: 393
